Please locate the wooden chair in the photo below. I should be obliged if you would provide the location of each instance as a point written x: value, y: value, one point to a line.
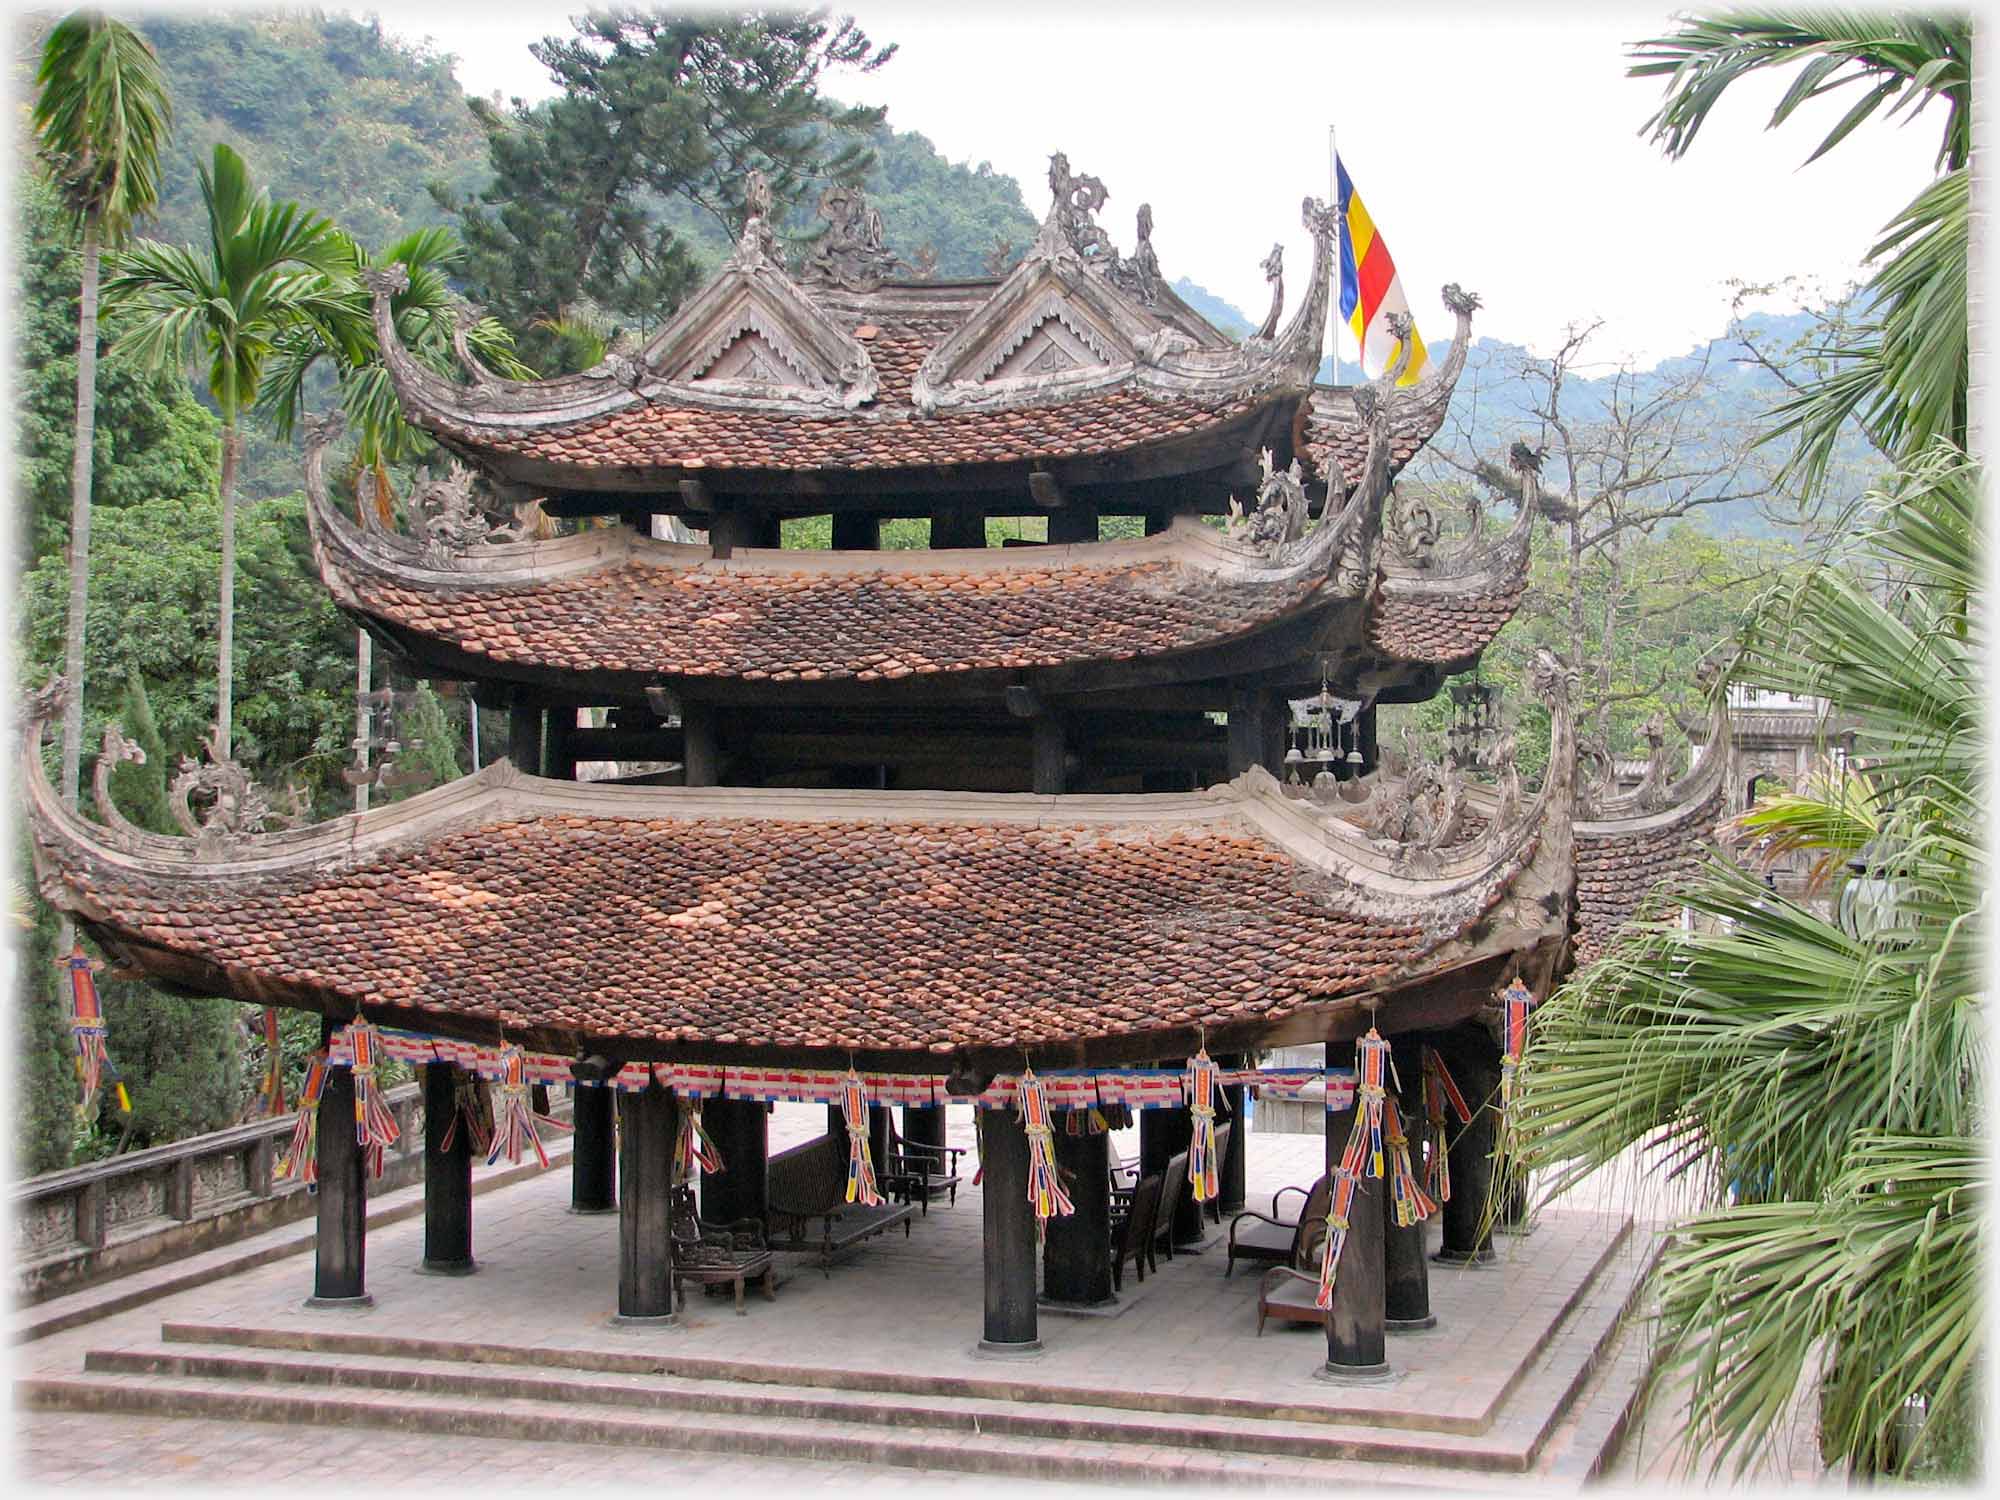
x: 1271, y: 1237
x: 916, y: 1169
x: 1132, y: 1229
x: 717, y: 1254
x: 1290, y: 1292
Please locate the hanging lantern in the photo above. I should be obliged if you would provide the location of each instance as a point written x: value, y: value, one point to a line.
x: 1475, y: 717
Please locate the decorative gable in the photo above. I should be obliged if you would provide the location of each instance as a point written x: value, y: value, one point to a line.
x: 752, y: 332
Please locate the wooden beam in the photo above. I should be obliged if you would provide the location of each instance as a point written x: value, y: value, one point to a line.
x: 1046, y: 489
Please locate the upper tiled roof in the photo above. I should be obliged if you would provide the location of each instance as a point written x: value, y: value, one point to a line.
x: 1438, y: 627
x: 699, y: 437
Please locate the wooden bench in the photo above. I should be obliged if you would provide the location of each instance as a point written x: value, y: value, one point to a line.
x: 810, y: 1182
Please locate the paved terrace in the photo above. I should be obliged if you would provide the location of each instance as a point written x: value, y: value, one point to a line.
x: 911, y: 1308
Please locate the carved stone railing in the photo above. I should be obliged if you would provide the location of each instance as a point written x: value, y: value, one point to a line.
x: 87, y: 1224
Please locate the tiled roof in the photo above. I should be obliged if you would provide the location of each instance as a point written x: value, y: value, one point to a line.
x: 879, y: 935
x: 694, y: 437
x: 1619, y: 862
x: 1438, y: 627
x: 777, y: 625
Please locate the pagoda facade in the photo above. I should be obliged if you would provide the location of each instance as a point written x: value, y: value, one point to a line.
x: 936, y: 820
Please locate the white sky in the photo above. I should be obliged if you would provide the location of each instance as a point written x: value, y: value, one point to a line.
x: 1494, y: 146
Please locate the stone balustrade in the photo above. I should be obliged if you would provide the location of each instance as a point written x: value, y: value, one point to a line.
x: 87, y: 1224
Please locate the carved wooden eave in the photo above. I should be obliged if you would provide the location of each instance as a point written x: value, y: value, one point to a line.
x: 1449, y: 610
x: 623, y: 612
x: 1628, y: 845
x: 750, y: 925
x: 1109, y: 340
x: 1337, y: 432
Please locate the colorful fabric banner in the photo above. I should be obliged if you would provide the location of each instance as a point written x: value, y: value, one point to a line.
x: 1515, y: 1003
x: 1370, y: 289
x: 1204, y: 1172
x: 87, y: 1031
x: 692, y: 1147
x: 302, y: 1153
x: 374, y: 1127
x: 1439, y: 1090
x: 514, y: 1125
x: 1045, y: 1189
x: 860, y: 1169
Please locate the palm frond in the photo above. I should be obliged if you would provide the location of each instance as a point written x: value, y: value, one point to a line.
x: 101, y: 118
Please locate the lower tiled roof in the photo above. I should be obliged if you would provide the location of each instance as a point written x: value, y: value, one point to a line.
x: 862, y: 935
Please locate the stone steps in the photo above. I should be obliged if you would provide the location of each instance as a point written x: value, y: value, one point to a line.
x: 1002, y: 1426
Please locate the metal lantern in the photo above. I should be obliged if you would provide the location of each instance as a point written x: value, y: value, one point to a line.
x: 1475, y: 717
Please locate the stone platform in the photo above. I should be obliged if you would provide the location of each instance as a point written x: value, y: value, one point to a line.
x: 1529, y: 1374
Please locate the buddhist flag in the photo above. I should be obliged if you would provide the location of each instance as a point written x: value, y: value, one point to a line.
x: 1370, y: 289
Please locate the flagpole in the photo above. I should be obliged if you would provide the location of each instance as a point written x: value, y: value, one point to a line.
x: 1333, y: 201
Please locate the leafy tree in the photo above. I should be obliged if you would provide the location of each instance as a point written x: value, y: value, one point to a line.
x: 654, y: 108
x: 153, y: 438
x: 259, y: 278
x: 101, y: 117
x: 1827, y: 1068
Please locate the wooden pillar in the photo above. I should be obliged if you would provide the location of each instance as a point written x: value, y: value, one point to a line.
x: 855, y: 532
x: 1356, y: 1345
x: 1010, y: 1326
x: 1164, y: 1134
x: 1250, y: 719
x: 524, y: 738
x: 1158, y: 521
x: 645, y: 1171
x: 1050, y: 746
x: 1076, y: 1249
x: 957, y: 527
x: 700, y: 755
x: 878, y: 1137
x: 340, y: 1247
x: 1230, y: 1190
x: 1371, y: 751
x: 1473, y: 1060
x: 741, y: 1130
x: 447, y: 1177
x: 1406, y: 1297
x: 1076, y: 522
x: 923, y: 1125
x: 559, y: 736
x: 593, y: 1162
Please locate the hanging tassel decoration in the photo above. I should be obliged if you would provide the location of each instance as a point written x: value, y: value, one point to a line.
x: 1407, y: 1199
x: 1045, y: 1189
x: 1515, y: 1003
x: 1371, y: 1071
x: 514, y: 1125
x: 302, y: 1153
x: 860, y: 1170
x: 692, y: 1147
x: 374, y: 1127
x: 86, y: 1027
x: 1439, y: 1090
x: 1204, y: 1172
x: 471, y: 1111
x: 274, y: 1064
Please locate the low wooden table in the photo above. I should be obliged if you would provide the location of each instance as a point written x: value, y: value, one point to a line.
x: 731, y: 1271
x: 1289, y: 1295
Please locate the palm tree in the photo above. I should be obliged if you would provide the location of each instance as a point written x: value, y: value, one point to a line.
x: 1821, y: 1072
x: 101, y: 118
x: 263, y: 272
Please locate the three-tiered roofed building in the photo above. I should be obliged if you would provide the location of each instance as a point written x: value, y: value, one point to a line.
x: 943, y: 814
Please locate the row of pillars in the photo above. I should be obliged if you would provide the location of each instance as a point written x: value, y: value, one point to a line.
x: 1382, y: 1286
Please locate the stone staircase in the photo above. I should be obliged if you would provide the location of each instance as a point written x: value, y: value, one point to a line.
x: 1558, y: 1420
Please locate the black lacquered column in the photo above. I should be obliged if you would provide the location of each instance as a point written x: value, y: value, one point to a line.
x: 1474, y: 1063
x: 923, y: 1125
x: 593, y: 1161
x: 645, y: 1249
x: 447, y: 1177
x: 1011, y: 1326
x: 1229, y: 1197
x: 741, y: 1130
x: 1406, y: 1300
x: 1076, y: 1248
x: 341, y: 1244
x: 1356, y: 1345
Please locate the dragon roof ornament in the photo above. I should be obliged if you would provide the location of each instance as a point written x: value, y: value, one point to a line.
x: 850, y: 252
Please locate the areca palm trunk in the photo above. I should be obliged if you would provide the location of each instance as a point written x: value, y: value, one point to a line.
x: 79, y: 511
x: 225, y: 625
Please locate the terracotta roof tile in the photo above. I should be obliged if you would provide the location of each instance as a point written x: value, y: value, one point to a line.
x: 892, y: 936
x: 636, y: 617
x: 1437, y: 627
x: 1615, y: 872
